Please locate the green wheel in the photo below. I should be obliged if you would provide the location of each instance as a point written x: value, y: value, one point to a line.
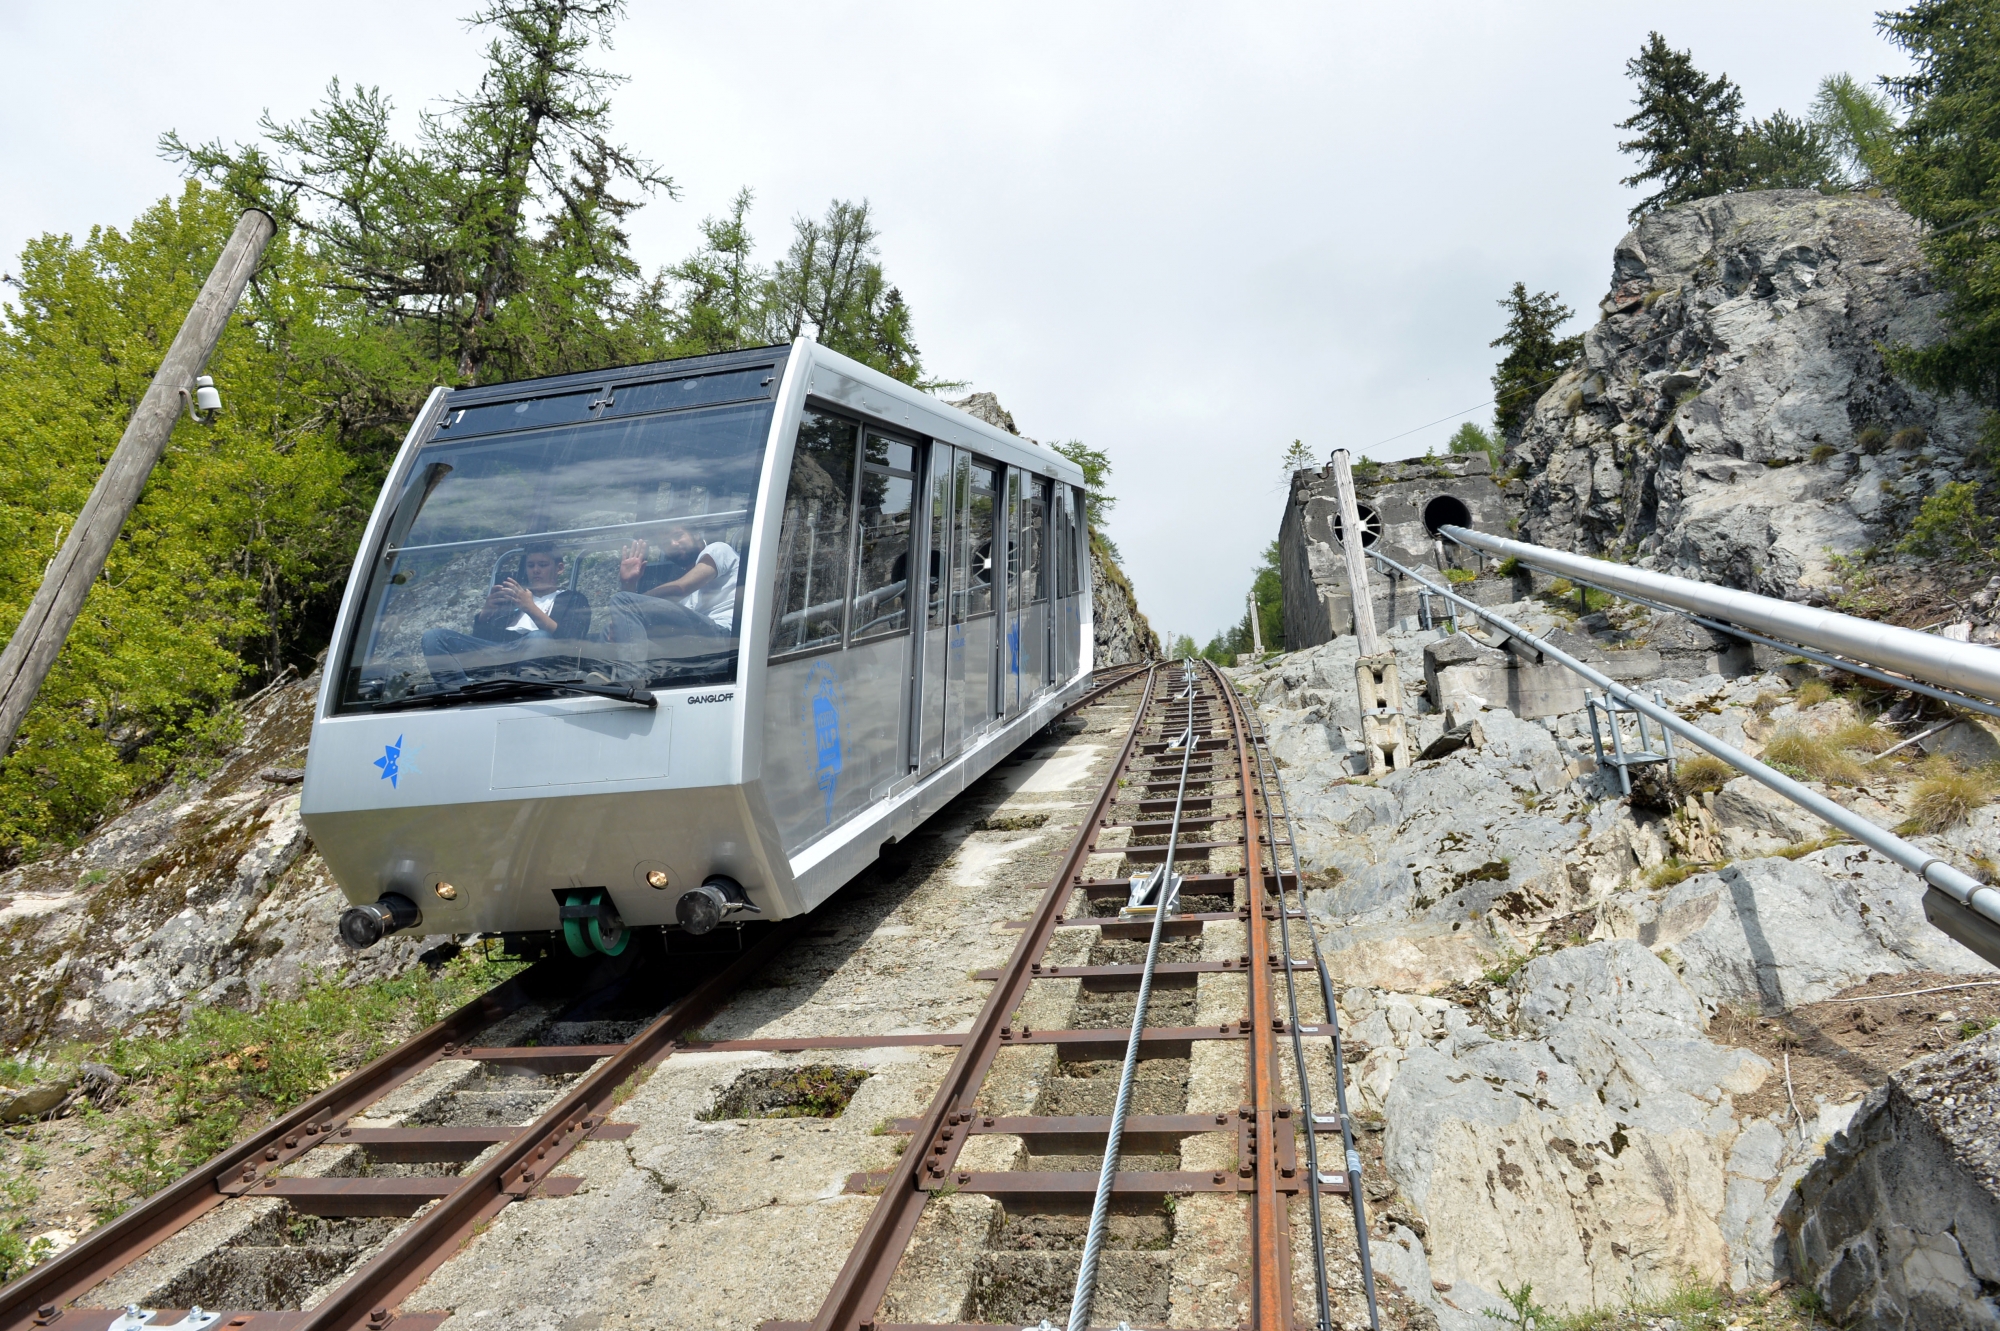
x: 609, y: 937
x: 573, y: 929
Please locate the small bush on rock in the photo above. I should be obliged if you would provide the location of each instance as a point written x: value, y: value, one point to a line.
x: 1813, y: 692
x: 1870, y: 438
x: 1950, y: 526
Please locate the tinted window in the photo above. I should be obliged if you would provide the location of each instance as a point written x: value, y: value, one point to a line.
x: 1034, y: 535
x: 563, y: 553
x: 972, y: 562
x: 882, y: 553
x: 698, y: 391
x: 813, y: 537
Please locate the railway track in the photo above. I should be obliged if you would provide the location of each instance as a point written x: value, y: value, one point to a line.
x: 516, y: 1081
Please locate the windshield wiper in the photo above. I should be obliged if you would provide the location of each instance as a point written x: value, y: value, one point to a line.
x: 507, y: 685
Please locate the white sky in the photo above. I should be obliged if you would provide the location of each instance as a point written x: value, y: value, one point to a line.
x: 1186, y: 234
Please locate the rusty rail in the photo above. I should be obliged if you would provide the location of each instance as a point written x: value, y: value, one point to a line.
x: 1270, y: 1172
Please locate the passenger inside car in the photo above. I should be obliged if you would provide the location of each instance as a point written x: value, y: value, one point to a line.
x: 517, y: 624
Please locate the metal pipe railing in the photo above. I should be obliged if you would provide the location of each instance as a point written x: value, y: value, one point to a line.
x: 1980, y: 932
x: 1958, y: 665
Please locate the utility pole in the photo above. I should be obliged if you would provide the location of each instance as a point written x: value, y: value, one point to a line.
x: 1377, y: 687
x: 1256, y: 629
x: 24, y: 665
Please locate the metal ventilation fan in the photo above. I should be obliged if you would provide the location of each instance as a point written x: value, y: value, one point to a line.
x: 1371, y: 525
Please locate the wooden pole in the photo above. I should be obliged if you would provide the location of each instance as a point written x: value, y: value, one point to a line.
x: 39, y: 636
x: 1357, y: 563
x: 1256, y: 629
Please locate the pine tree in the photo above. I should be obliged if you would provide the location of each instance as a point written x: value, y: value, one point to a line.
x: 1688, y: 128
x: 493, y: 243
x: 1535, y: 357
x: 1784, y: 152
x: 1946, y: 173
x: 1297, y: 458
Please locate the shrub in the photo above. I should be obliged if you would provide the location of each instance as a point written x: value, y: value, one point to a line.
x: 1945, y: 797
x: 1912, y: 436
x: 1818, y: 758
x: 1508, y: 567
x: 1460, y: 575
x: 1702, y: 772
x: 1950, y: 526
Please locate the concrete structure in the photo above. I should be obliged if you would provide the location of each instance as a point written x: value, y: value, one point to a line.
x: 1401, y: 506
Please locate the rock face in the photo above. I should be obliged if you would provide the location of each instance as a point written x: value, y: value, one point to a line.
x: 1545, y: 1027
x: 1895, y: 1229
x: 1733, y: 420
x: 1121, y: 633
x: 206, y: 894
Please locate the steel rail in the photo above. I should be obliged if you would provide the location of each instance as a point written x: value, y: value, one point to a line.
x: 402, y: 1264
x: 1085, y: 1290
x: 1127, y: 672
x: 1979, y: 903
x: 1270, y: 1230
x: 1345, y: 1121
x: 1967, y: 666
x: 864, y: 1277
x: 101, y: 1253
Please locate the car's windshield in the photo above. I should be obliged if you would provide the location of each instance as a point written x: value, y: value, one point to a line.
x: 609, y: 551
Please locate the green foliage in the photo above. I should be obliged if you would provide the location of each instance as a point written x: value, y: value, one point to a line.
x: 1535, y: 356
x: 226, y: 1068
x: 1458, y: 575
x: 1860, y: 125
x: 234, y: 553
x: 1522, y: 1310
x: 1297, y: 458
x: 1690, y: 136
x: 1687, y: 130
x: 1784, y: 152
x: 1946, y: 173
x: 1267, y: 591
x: 493, y: 242
x: 1469, y: 438
x: 1098, y: 500
x: 1951, y: 525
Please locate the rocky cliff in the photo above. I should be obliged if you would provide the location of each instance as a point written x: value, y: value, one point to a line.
x: 1599, y: 1039
x: 209, y: 893
x: 1732, y: 419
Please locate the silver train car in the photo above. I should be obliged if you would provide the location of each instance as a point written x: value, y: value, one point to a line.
x: 682, y: 643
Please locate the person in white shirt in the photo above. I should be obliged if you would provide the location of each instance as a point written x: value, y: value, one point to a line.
x: 698, y: 602
x: 514, y: 625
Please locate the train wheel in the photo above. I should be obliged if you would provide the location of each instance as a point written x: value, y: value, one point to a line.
x: 609, y: 936
x: 573, y: 933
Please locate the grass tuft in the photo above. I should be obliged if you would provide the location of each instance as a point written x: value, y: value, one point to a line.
x: 1700, y: 773
x: 1820, y: 759
x: 1812, y: 693
x: 1945, y: 797
x: 1673, y: 870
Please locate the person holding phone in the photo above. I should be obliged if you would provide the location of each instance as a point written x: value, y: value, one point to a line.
x: 514, y: 625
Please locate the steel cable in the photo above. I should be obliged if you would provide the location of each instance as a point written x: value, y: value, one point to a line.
x: 1085, y: 1292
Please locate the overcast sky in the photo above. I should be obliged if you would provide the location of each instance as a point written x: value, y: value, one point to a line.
x: 1186, y: 234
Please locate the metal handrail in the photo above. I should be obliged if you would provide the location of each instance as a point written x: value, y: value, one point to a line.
x: 1962, y: 888
x: 1959, y: 665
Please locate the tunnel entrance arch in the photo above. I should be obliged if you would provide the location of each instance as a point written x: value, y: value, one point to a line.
x: 1446, y: 511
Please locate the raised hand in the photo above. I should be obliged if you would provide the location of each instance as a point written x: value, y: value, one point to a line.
x: 633, y: 566
x: 514, y: 593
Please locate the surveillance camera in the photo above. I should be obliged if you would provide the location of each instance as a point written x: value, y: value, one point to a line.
x: 204, y: 399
